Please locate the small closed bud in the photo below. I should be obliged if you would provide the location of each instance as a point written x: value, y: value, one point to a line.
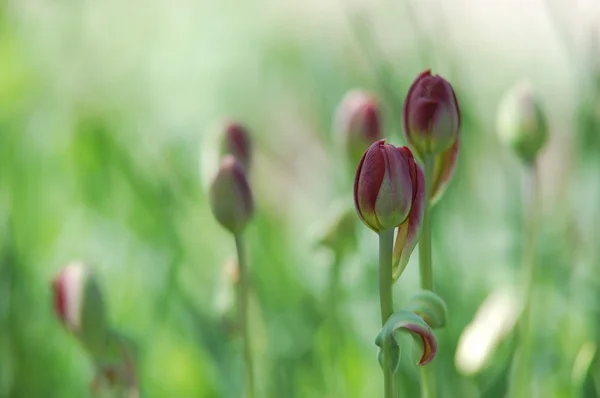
x: 521, y: 122
x: 384, y: 186
x: 236, y: 141
x: 230, y: 196
x: 358, y: 123
x: 431, y: 115
x: 79, y: 305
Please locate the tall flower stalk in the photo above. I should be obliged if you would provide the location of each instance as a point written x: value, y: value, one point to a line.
x: 242, y: 305
x: 431, y: 125
x: 523, y: 127
x: 232, y: 204
x: 389, y: 195
x: 79, y: 305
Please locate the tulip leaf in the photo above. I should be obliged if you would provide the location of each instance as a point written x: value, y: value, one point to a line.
x: 430, y: 307
x: 404, y: 321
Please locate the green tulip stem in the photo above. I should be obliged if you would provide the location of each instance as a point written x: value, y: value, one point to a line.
x: 425, y: 240
x: 425, y: 269
x: 521, y: 372
x: 242, y: 307
x: 386, y: 301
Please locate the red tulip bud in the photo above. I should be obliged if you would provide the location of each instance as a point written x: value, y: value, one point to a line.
x: 385, y: 186
x: 358, y: 123
x: 431, y: 115
x: 236, y: 141
x: 79, y: 305
x: 230, y: 196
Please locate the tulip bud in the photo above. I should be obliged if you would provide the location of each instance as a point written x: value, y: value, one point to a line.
x: 79, y: 306
x: 357, y: 122
x: 521, y: 122
x: 385, y: 185
x: 431, y: 115
x: 236, y: 142
x: 230, y: 196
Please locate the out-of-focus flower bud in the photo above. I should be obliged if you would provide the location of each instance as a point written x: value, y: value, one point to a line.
x: 340, y: 235
x: 521, y: 122
x: 385, y: 186
x: 236, y: 141
x: 431, y: 115
x: 358, y: 123
x: 230, y: 196
x: 79, y: 305
x: 443, y: 170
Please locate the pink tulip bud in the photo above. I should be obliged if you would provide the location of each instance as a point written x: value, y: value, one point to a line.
x: 358, y: 123
x: 236, y: 141
x: 79, y: 305
x: 385, y: 186
x: 230, y: 196
x: 431, y: 115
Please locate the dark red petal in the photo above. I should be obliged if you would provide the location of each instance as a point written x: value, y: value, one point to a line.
x: 60, y: 298
x: 370, y: 122
x: 408, y: 100
x: 366, y: 181
x: 422, y: 114
x: 371, y: 176
x: 440, y: 90
x: 238, y: 142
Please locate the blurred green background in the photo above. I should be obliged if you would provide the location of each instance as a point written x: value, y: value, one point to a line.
x: 107, y: 111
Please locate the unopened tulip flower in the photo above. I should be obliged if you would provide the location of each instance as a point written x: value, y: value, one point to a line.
x: 521, y: 123
x: 236, y: 141
x: 388, y: 188
x: 230, y: 196
x: 431, y: 115
x: 79, y: 306
x: 358, y: 123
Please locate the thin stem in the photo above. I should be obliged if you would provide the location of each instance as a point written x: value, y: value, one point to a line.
x: 335, y: 344
x: 242, y: 304
x: 334, y: 284
x: 386, y: 301
x: 425, y: 269
x: 425, y: 241
x: 521, y: 373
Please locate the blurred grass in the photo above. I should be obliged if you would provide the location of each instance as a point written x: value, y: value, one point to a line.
x: 102, y: 114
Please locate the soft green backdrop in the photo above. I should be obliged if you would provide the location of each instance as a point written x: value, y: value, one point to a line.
x: 107, y: 114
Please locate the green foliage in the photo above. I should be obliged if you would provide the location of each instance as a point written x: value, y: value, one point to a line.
x: 101, y: 117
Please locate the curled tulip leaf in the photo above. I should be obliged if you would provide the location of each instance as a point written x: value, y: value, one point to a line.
x: 430, y: 307
x: 405, y: 321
